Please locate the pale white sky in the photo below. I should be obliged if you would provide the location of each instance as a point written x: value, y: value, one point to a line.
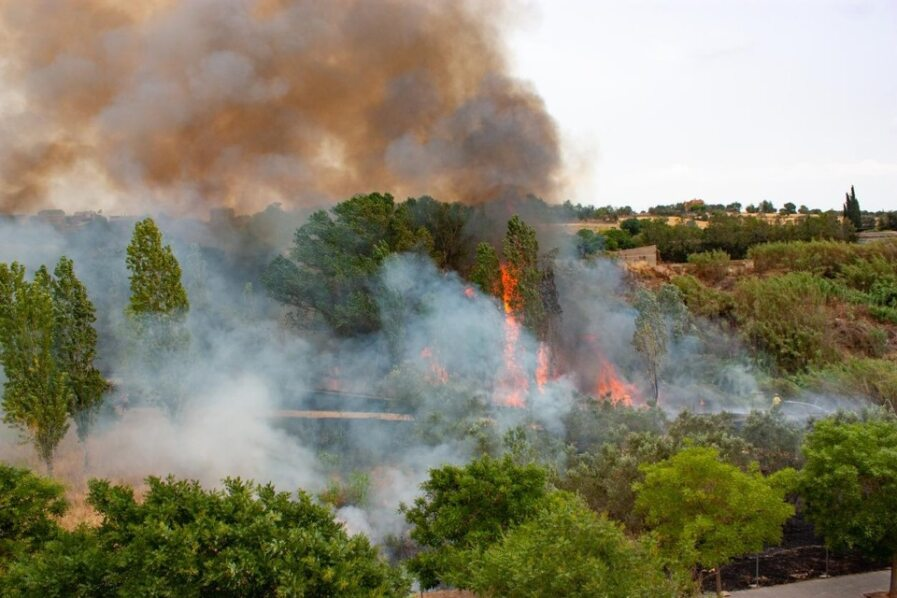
x: 726, y: 100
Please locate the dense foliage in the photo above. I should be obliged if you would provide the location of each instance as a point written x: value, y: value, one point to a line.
x: 567, y: 550
x: 849, y: 484
x: 330, y: 273
x: 28, y: 506
x: 155, y: 274
x: 182, y: 540
x: 464, y: 509
x: 705, y: 511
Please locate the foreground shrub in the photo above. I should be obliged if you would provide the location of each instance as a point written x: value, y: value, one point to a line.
x: 182, y: 540
x: 567, y: 550
x: 28, y: 506
x: 465, y: 509
x: 705, y: 511
x: 711, y: 266
x: 849, y: 484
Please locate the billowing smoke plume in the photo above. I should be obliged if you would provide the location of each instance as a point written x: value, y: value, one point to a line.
x: 195, y: 103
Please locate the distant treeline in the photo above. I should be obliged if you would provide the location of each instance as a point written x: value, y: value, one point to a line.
x: 724, y: 232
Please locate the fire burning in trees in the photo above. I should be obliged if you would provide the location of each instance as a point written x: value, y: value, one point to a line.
x: 514, y: 384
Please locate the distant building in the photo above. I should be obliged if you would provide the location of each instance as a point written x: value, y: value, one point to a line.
x: 640, y: 255
x: 870, y: 236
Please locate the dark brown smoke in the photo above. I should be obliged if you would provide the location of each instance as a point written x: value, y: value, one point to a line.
x: 239, y: 102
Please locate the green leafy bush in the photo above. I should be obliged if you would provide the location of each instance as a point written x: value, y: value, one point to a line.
x: 826, y: 258
x: 705, y: 511
x: 28, y: 507
x: 703, y: 300
x: 567, y: 550
x: 711, y: 266
x: 787, y: 318
x: 855, y: 377
x: 465, y: 509
x: 185, y: 541
x: 849, y: 485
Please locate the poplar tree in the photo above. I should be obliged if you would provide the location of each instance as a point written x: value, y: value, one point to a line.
x: 76, y: 345
x: 522, y: 262
x: 650, y: 336
x: 37, y: 397
x: 156, y: 287
x: 486, y: 272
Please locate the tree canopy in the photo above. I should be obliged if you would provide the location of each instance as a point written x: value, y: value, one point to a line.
x: 182, y: 540
x: 567, y: 550
x: 467, y: 508
x: 330, y: 272
x: 849, y: 483
x: 155, y: 273
x: 705, y: 511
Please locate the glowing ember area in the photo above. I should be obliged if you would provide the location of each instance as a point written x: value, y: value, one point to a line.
x: 611, y: 387
x: 543, y: 369
x: 437, y: 373
x: 469, y: 292
x: 514, y: 384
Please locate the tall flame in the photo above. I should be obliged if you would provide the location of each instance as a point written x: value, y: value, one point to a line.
x: 543, y: 367
x: 514, y: 384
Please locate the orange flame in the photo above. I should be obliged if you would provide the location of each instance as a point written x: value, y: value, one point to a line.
x: 611, y: 387
x: 543, y: 369
x: 514, y: 384
x: 438, y: 374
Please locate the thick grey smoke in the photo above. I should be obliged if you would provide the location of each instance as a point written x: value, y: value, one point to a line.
x: 188, y: 104
x: 217, y: 407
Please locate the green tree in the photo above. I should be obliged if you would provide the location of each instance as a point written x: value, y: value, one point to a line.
x: 330, y: 273
x: 851, y: 210
x: 28, y: 506
x: 182, y: 540
x: 849, y: 485
x: 705, y: 511
x: 37, y: 396
x: 650, y: 337
x: 76, y: 344
x: 156, y: 287
x: 766, y: 207
x: 524, y: 295
x: 467, y: 508
x: 588, y: 242
x: 567, y: 550
x: 788, y: 208
x: 486, y: 272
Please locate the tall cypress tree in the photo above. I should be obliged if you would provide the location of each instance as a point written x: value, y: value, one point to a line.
x: 852, y: 212
x: 37, y: 397
x: 76, y: 345
x: 155, y: 274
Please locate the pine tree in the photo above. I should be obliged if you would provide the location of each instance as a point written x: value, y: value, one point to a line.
x: 521, y: 253
x: 155, y: 274
x: 486, y: 272
x: 36, y: 396
x: 76, y: 344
